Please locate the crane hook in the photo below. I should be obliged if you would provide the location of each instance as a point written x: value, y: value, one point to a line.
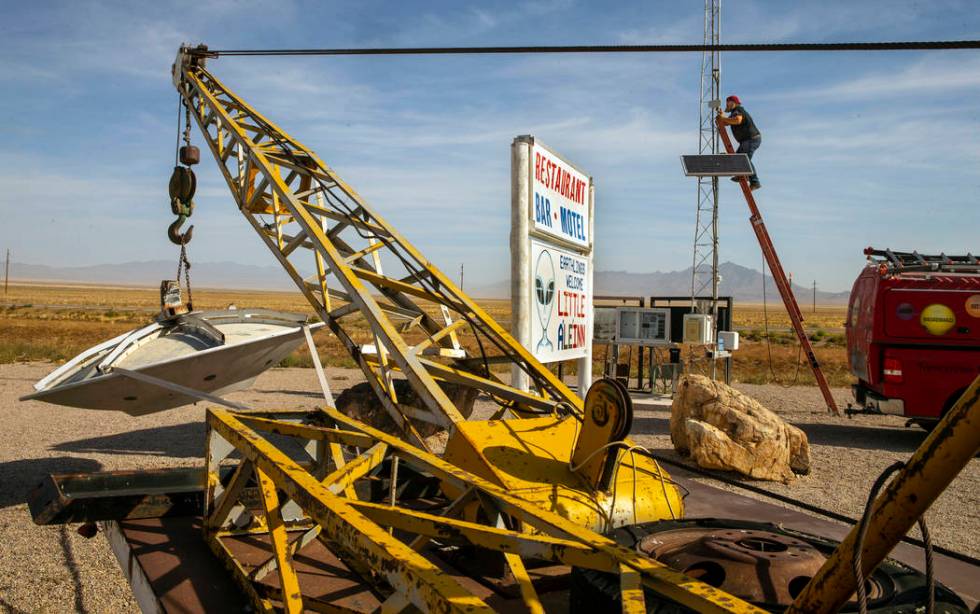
x: 175, y: 236
x: 182, y: 210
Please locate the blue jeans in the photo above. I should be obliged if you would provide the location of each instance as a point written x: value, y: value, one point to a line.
x: 748, y: 148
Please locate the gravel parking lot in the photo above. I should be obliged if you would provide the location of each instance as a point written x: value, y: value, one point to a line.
x: 847, y: 455
x: 53, y: 569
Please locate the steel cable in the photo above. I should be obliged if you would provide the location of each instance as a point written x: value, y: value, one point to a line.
x: 765, y: 320
x: 664, y: 48
x: 857, y: 563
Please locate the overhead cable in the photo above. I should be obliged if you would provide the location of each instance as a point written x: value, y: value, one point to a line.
x: 668, y: 48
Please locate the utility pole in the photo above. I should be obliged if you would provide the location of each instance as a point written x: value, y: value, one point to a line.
x: 460, y: 275
x: 6, y: 273
x: 814, y: 296
x: 705, y: 265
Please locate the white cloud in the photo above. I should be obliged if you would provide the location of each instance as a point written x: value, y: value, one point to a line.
x: 931, y: 75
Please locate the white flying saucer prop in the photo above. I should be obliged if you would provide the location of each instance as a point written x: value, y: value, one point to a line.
x: 167, y: 364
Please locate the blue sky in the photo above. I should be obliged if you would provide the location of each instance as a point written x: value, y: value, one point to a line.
x: 858, y: 149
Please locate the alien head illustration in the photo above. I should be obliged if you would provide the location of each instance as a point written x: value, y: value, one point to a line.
x: 544, y: 295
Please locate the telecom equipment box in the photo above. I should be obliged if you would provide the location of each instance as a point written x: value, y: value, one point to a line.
x: 646, y: 326
x: 643, y: 326
x: 727, y: 340
x: 698, y: 329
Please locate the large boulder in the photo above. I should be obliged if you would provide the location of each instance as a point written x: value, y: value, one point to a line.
x: 721, y: 428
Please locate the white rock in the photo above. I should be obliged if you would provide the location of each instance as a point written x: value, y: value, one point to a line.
x: 721, y: 428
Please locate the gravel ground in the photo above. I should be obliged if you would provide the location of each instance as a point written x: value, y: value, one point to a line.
x: 847, y: 455
x: 53, y: 569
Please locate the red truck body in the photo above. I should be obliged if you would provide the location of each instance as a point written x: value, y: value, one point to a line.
x: 913, y: 338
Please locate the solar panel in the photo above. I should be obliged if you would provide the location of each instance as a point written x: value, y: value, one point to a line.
x: 716, y: 165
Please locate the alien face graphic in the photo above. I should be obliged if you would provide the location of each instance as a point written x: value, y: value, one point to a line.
x: 544, y: 295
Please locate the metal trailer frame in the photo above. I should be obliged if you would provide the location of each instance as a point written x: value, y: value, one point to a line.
x: 286, y: 503
x: 360, y: 532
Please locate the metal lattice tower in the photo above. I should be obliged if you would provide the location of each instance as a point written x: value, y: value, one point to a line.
x: 705, y: 264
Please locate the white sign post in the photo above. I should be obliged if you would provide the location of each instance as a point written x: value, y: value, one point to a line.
x: 552, y: 205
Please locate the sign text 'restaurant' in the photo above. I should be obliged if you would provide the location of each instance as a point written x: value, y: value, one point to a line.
x: 561, y: 198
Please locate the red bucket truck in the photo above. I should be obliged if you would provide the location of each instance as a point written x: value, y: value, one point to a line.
x: 913, y: 333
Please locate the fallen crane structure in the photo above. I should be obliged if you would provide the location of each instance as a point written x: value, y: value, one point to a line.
x: 317, y: 511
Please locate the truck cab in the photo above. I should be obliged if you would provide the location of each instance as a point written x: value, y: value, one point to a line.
x: 913, y: 333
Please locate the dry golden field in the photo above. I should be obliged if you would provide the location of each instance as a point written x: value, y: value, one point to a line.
x: 40, y: 321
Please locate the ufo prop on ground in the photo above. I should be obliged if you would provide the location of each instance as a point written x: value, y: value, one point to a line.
x: 166, y: 364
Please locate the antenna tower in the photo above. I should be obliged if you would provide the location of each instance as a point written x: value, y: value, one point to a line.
x: 705, y: 266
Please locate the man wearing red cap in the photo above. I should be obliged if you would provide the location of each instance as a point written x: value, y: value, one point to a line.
x: 745, y: 132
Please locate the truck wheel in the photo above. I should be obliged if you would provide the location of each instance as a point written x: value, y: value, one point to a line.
x: 759, y: 562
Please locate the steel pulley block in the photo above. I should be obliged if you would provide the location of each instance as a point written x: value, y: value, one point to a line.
x: 183, y: 183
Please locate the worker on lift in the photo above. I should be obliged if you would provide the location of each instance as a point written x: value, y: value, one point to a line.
x: 745, y: 132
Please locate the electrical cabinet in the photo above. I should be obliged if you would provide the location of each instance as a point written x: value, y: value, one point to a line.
x: 727, y: 340
x: 643, y: 326
x: 698, y: 329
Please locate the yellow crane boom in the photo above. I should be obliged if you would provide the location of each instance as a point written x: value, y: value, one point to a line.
x: 363, y: 266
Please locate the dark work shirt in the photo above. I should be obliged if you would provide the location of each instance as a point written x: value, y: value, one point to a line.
x: 747, y: 129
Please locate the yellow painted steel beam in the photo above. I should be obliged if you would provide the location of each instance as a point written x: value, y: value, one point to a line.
x: 530, y: 596
x: 454, y: 530
x: 291, y: 596
x: 631, y: 591
x: 215, y: 516
x: 306, y: 431
x: 451, y: 511
x: 292, y: 547
x: 393, y: 284
x: 344, y: 477
x: 447, y: 373
x: 394, y: 604
x: 504, y: 391
x: 448, y: 330
x: 425, y: 585
x: 953, y: 443
x: 240, y: 575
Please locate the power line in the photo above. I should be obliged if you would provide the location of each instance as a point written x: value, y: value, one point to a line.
x: 668, y: 48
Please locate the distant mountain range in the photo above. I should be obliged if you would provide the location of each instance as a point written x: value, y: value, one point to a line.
x: 743, y: 283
